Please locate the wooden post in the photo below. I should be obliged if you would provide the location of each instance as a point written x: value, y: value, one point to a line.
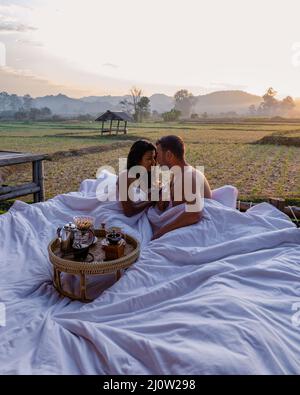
x: 125, y: 128
x: 111, y: 121
x: 102, y: 128
x: 58, y: 279
x: 82, y: 286
x: 118, y: 127
x: 118, y: 275
x: 7, y: 193
x: 278, y: 203
x: 38, y: 179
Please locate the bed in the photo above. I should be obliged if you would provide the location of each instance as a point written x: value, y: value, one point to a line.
x: 218, y: 297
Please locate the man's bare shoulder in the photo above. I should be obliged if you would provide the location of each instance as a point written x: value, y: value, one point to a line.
x: 195, y: 174
x: 199, y: 177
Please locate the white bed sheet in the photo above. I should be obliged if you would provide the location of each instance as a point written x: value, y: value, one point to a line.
x: 219, y: 297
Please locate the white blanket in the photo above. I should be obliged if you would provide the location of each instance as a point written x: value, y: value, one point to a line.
x: 217, y: 297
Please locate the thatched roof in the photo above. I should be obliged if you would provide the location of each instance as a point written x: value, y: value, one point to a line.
x: 115, y: 116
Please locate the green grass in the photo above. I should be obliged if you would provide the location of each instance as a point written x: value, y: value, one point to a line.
x: 47, y: 144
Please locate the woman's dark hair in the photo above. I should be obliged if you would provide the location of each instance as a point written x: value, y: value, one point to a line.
x: 137, y: 151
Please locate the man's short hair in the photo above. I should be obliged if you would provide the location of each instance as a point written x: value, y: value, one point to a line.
x: 174, y: 144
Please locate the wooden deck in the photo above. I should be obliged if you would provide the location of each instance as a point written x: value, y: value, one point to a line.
x: 36, y: 187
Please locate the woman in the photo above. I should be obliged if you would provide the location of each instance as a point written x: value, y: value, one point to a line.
x: 142, y: 153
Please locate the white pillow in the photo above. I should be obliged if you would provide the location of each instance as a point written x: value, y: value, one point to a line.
x: 226, y: 195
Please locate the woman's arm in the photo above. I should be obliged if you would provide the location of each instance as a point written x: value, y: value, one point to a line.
x: 130, y: 208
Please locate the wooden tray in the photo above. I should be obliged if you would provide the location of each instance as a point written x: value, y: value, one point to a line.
x: 69, y: 265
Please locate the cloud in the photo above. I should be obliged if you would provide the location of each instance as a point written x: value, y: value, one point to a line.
x: 12, y: 8
x: 30, y: 42
x: 22, y: 81
x: 111, y: 65
x: 13, y: 19
x: 14, y: 26
x: 24, y: 73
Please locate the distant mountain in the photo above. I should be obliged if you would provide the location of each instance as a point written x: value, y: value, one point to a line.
x: 212, y: 103
x: 113, y: 100
x: 64, y: 105
x: 225, y: 101
x: 61, y: 104
x: 161, y: 103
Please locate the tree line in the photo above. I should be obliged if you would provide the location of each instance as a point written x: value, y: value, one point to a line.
x: 271, y: 106
x: 138, y: 105
x: 185, y: 102
x: 20, y: 108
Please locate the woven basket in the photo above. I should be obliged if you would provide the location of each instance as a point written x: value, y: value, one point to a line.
x: 101, y: 267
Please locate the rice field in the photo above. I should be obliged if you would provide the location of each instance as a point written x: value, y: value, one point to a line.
x: 227, y: 151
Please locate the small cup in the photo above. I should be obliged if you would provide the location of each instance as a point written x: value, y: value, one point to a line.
x: 114, y: 238
x: 80, y: 251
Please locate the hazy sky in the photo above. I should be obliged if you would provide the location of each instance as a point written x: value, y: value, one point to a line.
x: 96, y: 47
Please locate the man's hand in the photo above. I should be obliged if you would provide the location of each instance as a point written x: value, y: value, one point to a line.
x: 162, y: 205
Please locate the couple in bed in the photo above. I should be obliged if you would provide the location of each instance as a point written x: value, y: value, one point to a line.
x: 187, y: 186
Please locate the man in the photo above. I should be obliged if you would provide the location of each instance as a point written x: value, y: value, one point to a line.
x: 188, y: 185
